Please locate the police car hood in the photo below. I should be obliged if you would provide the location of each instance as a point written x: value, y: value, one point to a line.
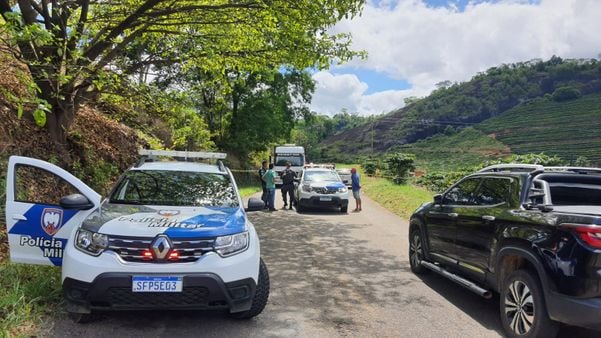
x: 327, y: 184
x: 176, y: 222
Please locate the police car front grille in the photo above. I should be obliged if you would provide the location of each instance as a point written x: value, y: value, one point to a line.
x: 132, y: 249
x: 195, y: 296
x: 324, y: 191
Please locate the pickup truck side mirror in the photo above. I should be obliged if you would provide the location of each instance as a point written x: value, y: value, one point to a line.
x: 438, y: 199
x: 255, y: 204
x: 76, y: 201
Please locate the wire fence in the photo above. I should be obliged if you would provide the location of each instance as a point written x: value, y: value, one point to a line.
x: 246, y: 178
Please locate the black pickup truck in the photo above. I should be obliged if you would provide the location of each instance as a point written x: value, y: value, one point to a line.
x: 530, y: 233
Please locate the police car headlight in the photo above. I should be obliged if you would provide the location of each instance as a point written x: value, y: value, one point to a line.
x: 342, y: 190
x: 232, y: 244
x: 90, y: 242
x: 306, y: 188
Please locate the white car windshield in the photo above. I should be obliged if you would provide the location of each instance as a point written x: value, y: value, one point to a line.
x: 321, y: 176
x: 176, y: 188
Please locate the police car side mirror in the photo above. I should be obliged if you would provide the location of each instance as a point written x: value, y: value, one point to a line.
x: 76, y: 201
x: 255, y: 204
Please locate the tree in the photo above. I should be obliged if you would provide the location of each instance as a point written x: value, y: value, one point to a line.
x: 71, y: 47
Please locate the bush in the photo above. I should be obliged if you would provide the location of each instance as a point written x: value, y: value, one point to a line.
x: 582, y: 161
x: 370, y: 167
x: 398, y: 166
x: 566, y: 93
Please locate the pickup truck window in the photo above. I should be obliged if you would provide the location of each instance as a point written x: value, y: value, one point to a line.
x: 462, y: 193
x: 493, y: 191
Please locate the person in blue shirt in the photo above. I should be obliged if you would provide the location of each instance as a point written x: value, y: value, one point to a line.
x: 356, y: 186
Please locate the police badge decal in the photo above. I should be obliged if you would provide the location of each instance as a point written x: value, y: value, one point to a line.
x: 52, y: 220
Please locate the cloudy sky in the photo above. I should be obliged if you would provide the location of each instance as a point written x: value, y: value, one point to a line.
x: 414, y: 44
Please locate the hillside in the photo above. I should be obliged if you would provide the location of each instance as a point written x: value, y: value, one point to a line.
x: 567, y: 129
x: 464, y: 148
x: 487, y: 95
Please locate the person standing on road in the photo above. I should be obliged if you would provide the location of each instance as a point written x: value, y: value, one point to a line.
x: 288, y: 176
x: 265, y: 193
x: 269, y: 178
x: 356, y: 186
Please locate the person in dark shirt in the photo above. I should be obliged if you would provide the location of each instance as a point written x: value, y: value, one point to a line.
x: 288, y: 176
x: 265, y: 193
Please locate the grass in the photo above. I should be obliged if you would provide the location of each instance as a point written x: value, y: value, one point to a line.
x: 567, y: 129
x: 401, y: 200
x: 248, y: 190
x: 27, y: 295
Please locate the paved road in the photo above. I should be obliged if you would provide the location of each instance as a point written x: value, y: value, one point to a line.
x: 332, y: 274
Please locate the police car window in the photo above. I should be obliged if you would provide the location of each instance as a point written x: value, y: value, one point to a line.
x: 493, y: 191
x: 36, y: 185
x: 462, y: 193
x: 175, y: 188
x: 294, y: 160
x: 321, y: 176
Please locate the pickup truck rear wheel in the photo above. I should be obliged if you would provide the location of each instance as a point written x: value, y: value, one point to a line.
x: 523, y: 309
x: 416, y: 252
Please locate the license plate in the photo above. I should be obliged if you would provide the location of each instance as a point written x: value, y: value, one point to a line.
x: 156, y: 284
x: 325, y: 199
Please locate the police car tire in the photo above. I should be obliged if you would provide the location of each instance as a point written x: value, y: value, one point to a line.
x: 261, y: 295
x: 299, y: 208
x: 344, y: 209
x: 81, y: 318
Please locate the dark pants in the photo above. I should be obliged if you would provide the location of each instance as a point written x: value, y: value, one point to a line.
x: 288, y: 189
x: 265, y: 196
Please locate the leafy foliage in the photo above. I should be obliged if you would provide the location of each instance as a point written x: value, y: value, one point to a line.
x: 398, y: 166
x: 442, y: 180
x: 566, y: 93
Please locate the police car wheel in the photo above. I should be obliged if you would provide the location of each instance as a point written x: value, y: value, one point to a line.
x: 81, y: 318
x: 261, y: 295
x: 344, y: 209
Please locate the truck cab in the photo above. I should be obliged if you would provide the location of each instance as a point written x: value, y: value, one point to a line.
x: 284, y: 154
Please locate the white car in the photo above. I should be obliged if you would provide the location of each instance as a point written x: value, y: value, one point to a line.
x: 319, y: 187
x: 170, y: 235
x: 345, y: 176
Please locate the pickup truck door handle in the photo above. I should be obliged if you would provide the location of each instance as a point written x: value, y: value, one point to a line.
x: 18, y: 217
x: 488, y: 218
x: 453, y: 214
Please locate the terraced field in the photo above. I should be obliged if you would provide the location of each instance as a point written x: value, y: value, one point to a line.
x: 567, y: 129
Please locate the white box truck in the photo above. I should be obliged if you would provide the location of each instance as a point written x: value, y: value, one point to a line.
x: 288, y: 153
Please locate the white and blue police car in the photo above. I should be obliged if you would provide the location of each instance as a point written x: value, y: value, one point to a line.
x: 321, y: 187
x: 170, y: 235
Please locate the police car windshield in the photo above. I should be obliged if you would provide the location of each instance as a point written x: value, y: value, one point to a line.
x: 176, y: 188
x: 321, y: 176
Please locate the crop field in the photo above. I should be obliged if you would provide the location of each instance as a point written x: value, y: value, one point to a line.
x: 465, y: 148
x: 567, y: 129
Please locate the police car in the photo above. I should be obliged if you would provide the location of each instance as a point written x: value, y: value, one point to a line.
x: 170, y: 235
x: 321, y: 187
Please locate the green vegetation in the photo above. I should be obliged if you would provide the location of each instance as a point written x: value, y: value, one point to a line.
x: 399, y: 199
x: 460, y: 148
x: 486, y: 95
x: 249, y: 191
x: 568, y: 129
x: 28, y: 293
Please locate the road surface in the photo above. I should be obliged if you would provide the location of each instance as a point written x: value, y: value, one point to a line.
x: 332, y: 274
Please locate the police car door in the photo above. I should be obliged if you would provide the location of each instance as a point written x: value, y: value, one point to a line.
x: 38, y: 225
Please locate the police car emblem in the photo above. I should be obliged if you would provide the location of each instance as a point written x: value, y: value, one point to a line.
x: 168, y: 213
x: 52, y: 220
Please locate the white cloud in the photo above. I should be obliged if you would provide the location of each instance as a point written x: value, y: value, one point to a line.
x: 335, y: 92
x: 424, y: 45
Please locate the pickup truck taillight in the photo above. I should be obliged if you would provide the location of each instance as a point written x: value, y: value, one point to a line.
x: 589, y: 233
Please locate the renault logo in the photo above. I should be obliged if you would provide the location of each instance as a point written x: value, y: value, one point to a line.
x: 161, y: 246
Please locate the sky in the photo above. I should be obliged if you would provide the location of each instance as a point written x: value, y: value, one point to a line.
x: 414, y: 44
